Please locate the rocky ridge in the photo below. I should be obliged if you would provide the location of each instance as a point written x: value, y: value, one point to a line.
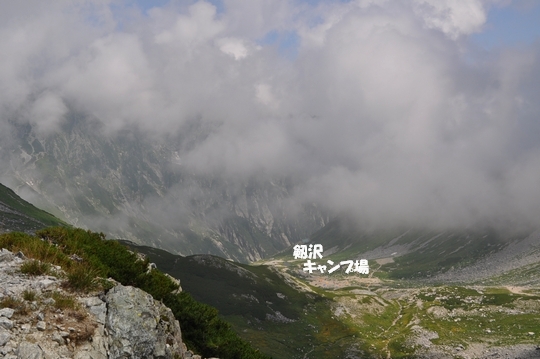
x: 39, y: 320
x: 518, y: 254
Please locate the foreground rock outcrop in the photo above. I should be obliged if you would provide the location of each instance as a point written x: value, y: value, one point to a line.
x: 39, y: 320
x: 140, y: 327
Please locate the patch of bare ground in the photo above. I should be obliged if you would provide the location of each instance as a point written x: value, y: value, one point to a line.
x: 518, y: 290
x: 382, y: 261
x: 356, y: 306
x: 329, y: 282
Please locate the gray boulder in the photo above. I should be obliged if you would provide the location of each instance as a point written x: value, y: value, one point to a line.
x: 5, y: 336
x: 29, y: 351
x: 140, y: 327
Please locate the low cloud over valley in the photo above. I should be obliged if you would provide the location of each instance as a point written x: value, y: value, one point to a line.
x: 388, y: 111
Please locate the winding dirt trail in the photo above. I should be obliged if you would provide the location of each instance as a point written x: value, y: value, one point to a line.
x: 398, y: 317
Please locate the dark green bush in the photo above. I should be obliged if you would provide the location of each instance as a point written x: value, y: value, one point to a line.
x: 205, y: 332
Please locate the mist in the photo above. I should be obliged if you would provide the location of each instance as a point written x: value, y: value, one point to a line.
x: 385, y: 111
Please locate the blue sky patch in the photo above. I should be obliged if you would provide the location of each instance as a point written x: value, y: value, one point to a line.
x: 509, y: 26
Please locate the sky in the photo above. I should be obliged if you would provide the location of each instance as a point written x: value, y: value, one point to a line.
x: 417, y: 112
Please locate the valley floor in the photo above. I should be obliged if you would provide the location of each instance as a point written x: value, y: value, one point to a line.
x: 412, y: 319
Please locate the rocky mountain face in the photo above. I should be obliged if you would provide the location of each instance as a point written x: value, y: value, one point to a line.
x: 46, y: 322
x: 133, y: 186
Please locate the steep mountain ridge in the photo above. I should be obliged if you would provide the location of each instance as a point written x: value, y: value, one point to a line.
x: 60, y: 324
x: 19, y: 215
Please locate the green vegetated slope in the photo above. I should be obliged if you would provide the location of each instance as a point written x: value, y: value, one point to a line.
x: 280, y: 310
x: 274, y: 311
x: 202, y: 330
x: 18, y: 215
x: 441, y: 321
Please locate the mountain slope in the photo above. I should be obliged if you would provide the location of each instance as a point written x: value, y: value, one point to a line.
x: 132, y: 186
x: 289, y: 313
x: 437, y: 256
x: 274, y: 311
x: 18, y: 215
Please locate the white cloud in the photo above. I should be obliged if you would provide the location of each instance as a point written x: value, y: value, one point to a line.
x: 264, y: 95
x: 198, y: 26
x: 111, y: 80
x: 233, y: 47
x: 379, y: 115
x: 47, y: 112
x: 453, y: 17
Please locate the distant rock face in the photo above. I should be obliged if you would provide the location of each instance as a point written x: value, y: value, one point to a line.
x: 140, y: 327
x: 125, y: 323
x: 129, y: 174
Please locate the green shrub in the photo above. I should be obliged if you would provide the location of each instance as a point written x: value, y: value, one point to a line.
x: 156, y: 283
x: 35, y: 267
x: 82, y: 278
x: 29, y: 295
x: 14, y: 303
x: 109, y: 258
x: 63, y: 301
x: 34, y: 247
x: 205, y: 332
